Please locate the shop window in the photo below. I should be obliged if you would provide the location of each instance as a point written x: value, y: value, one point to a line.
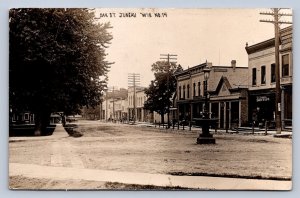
x: 273, y: 77
x: 215, y: 110
x: 288, y: 101
x: 235, y: 109
x: 285, y: 65
x: 254, y: 76
x: 263, y: 75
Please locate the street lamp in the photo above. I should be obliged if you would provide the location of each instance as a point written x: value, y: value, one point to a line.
x: 205, y: 137
x: 206, y: 72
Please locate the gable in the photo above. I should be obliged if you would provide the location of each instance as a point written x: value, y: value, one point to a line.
x: 223, y: 88
x: 223, y: 91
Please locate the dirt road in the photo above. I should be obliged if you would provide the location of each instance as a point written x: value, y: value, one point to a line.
x: 118, y: 147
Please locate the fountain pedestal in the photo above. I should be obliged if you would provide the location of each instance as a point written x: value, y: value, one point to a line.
x: 205, y: 137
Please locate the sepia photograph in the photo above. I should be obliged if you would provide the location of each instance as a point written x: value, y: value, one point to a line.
x: 169, y: 99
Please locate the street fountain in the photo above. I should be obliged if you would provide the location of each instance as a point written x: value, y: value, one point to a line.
x: 205, y: 121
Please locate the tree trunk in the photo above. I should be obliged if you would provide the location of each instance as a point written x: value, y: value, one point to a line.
x: 63, y: 120
x: 162, y: 118
x: 42, y: 120
x: 38, y: 125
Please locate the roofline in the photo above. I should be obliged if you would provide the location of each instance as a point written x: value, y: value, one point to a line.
x: 186, y: 71
x: 266, y: 43
x: 288, y: 28
x: 260, y: 46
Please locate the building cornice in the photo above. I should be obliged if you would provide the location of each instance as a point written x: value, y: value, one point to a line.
x: 260, y: 46
x: 268, y: 43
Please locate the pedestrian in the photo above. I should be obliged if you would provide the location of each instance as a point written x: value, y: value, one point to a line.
x: 254, y: 117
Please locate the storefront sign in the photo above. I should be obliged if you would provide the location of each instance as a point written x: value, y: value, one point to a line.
x: 262, y: 98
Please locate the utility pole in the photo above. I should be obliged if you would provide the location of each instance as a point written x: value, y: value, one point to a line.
x: 106, y: 109
x: 134, y: 81
x: 168, y: 57
x: 191, y: 94
x: 276, y: 14
x: 113, y: 97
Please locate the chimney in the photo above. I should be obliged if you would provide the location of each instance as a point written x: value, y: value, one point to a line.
x: 233, y: 64
x: 209, y: 64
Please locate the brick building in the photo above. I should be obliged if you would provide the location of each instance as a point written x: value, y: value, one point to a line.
x: 227, y: 87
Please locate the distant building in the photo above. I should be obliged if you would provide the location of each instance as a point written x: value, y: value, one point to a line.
x: 136, y: 103
x: 227, y: 88
x: 115, y: 105
x: 261, y: 60
x: 121, y: 106
x: 27, y: 117
x: 21, y: 118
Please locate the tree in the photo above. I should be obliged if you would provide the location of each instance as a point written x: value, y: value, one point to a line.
x: 162, y: 88
x: 56, y: 58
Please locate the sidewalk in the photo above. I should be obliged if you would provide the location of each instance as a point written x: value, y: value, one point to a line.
x: 192, y: 182
x: 243, y: 130
x: 59, y: 132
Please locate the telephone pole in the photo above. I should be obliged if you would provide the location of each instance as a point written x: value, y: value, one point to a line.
x: 168, y: 57
x: 134, y: 81
x: 276, y: 14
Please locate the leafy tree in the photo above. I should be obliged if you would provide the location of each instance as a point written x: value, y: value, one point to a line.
x: 162, y: 88
x: 56, y: 58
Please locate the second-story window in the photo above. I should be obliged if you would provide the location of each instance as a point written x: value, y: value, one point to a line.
x: 273, y: 73
x: 194, y: 89
x: 285, y: 65
x: 263, y: 75
x: 199, y: 88
x: 183, y: 92
x: 254, y: 76
x: 179, y: 92
x: 188, y: 91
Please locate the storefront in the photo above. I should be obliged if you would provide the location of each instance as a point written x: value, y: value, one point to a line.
x: 261, y: 107
x: 228, y: 113
x: 287, y: 105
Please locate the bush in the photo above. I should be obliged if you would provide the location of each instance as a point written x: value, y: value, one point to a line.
x: 73, y: 130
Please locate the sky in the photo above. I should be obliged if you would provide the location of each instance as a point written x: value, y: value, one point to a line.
x: 194, y: 35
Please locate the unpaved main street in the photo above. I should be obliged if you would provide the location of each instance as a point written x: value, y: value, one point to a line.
x: 126, y: 148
